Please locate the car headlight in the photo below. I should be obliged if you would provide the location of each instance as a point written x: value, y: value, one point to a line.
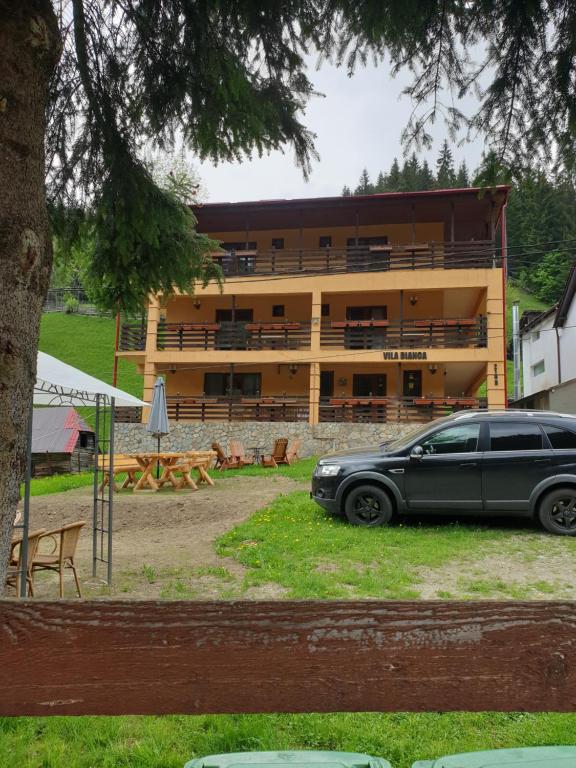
x: 328, y: 470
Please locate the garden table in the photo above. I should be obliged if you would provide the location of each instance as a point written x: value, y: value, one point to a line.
x: 171, y: 462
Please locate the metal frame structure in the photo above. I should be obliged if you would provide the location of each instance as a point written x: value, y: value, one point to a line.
x: 103, y: 502
x: 58, y: 383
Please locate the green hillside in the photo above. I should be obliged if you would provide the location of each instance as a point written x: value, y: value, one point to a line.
x: 527, y: 301
x: 88, y: 344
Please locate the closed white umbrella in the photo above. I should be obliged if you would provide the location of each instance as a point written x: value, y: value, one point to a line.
x: 158, y: 420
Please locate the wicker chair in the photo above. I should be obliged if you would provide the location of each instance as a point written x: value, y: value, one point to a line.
x: 222, y: 461
x: 278, y: 455
x: 16, y: 565
x: 65, y: 542
x: 238, y: 453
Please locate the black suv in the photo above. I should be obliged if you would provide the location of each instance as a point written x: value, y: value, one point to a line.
x: 476, y: 462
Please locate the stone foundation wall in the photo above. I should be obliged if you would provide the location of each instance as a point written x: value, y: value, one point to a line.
x: 316, y: 439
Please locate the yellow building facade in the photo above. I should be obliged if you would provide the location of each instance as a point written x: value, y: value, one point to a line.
x: 378, y: 308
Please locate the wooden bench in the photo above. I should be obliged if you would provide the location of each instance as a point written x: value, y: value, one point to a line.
x: 122, y: 465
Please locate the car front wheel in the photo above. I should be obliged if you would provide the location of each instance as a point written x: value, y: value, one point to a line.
x: 368, y: 505
x: 558, y: 512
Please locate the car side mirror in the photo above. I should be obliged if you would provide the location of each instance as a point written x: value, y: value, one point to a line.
x: 417, y: 452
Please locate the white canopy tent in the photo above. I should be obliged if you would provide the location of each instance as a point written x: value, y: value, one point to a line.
x: 58, y: 383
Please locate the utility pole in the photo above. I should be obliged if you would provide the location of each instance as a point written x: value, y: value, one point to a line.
x: 516, y: 348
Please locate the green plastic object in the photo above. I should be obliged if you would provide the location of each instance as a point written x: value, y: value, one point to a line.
x: 299, y: 759
x: 525, y: 757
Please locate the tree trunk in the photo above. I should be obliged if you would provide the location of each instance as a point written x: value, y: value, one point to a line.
x: 29, y: 46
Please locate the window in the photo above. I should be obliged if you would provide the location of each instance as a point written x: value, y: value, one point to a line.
x: 510, y: 436
x: 412, y: 383
x: 367, y: 241
x: 560, y: 438
x: 325, y: 310
x: 460, y: 439
x: 325, y: 241
x: 538, y: 368
x: 278, y: 310
x: 243, y: 384
x: 369, y: 385
x: 237, y: 246
x: 278, y: 243
x: 366, y: 313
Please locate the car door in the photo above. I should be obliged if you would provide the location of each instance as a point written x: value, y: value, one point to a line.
x: 448, y: 475
x: 563, y: 444
x: 516, y: 460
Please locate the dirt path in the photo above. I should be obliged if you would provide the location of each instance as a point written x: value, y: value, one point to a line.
x: 157, y: 536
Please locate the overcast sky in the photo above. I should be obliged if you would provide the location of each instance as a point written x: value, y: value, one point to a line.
x: 358, y: 123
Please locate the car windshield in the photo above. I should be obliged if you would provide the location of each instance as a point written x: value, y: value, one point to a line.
x: 404, y: 440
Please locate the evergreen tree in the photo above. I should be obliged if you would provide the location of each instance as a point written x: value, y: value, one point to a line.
x: 426, y: 177
x: 410, y: 177
x: 365, y: 187
x: 346, y: 191
x: 445, y: 176
x: 381, y: 183
x: 462, y: 177
x: 394, y: 177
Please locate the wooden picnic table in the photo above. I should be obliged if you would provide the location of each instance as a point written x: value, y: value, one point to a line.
x: 173, y: 462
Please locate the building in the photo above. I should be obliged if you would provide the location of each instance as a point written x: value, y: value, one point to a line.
x: 62, y: 442
x: 548, y: 344
x: 386, y: 307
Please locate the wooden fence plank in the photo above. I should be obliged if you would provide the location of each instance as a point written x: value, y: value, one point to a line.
x: 115, y: 657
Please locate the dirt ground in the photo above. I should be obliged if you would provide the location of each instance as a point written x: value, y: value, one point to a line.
x: 164, y: 548
x: 158, y: 535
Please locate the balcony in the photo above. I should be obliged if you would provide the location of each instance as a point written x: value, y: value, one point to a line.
x: 381, y: 410
x: 377, y: 258
x: 353, y: 410
x: 411, y: 334
x: 341, y: 334
x: 238, y: 409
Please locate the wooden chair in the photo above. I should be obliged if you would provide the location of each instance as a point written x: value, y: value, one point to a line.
x: 238, y: 453
x: 15, y: 566
x: 222, y: 461
x: 292, y: 452
x: 65, y: 542
x: 278, y: 455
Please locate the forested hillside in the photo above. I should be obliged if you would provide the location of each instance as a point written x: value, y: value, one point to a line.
x: 541, y: 212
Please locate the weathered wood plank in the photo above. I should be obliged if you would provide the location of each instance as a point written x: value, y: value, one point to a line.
x: 191, y: 657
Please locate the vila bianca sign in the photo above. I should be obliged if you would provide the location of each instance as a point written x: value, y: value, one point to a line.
x: 405, y: 355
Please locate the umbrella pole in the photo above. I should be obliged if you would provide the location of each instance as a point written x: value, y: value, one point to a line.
x: 158, y: 462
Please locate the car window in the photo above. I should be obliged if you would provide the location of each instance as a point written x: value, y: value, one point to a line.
x: 460, y: 439
x: 560, y: 438
x: 512, y: 436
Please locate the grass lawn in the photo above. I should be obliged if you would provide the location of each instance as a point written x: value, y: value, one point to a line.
x: 41, y: 486
x: 294, y: 544
x: 167, y: 742
x: 87, y: 343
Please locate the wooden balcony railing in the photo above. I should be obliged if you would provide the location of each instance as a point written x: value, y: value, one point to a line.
x: 238, y: 409
x: 333, y: 409
x: 247, y: 336
x: 343, y: 334
x: 433, y: 255
x: 132, y: 337
x: 412, y: 334
x: 380, y: 410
